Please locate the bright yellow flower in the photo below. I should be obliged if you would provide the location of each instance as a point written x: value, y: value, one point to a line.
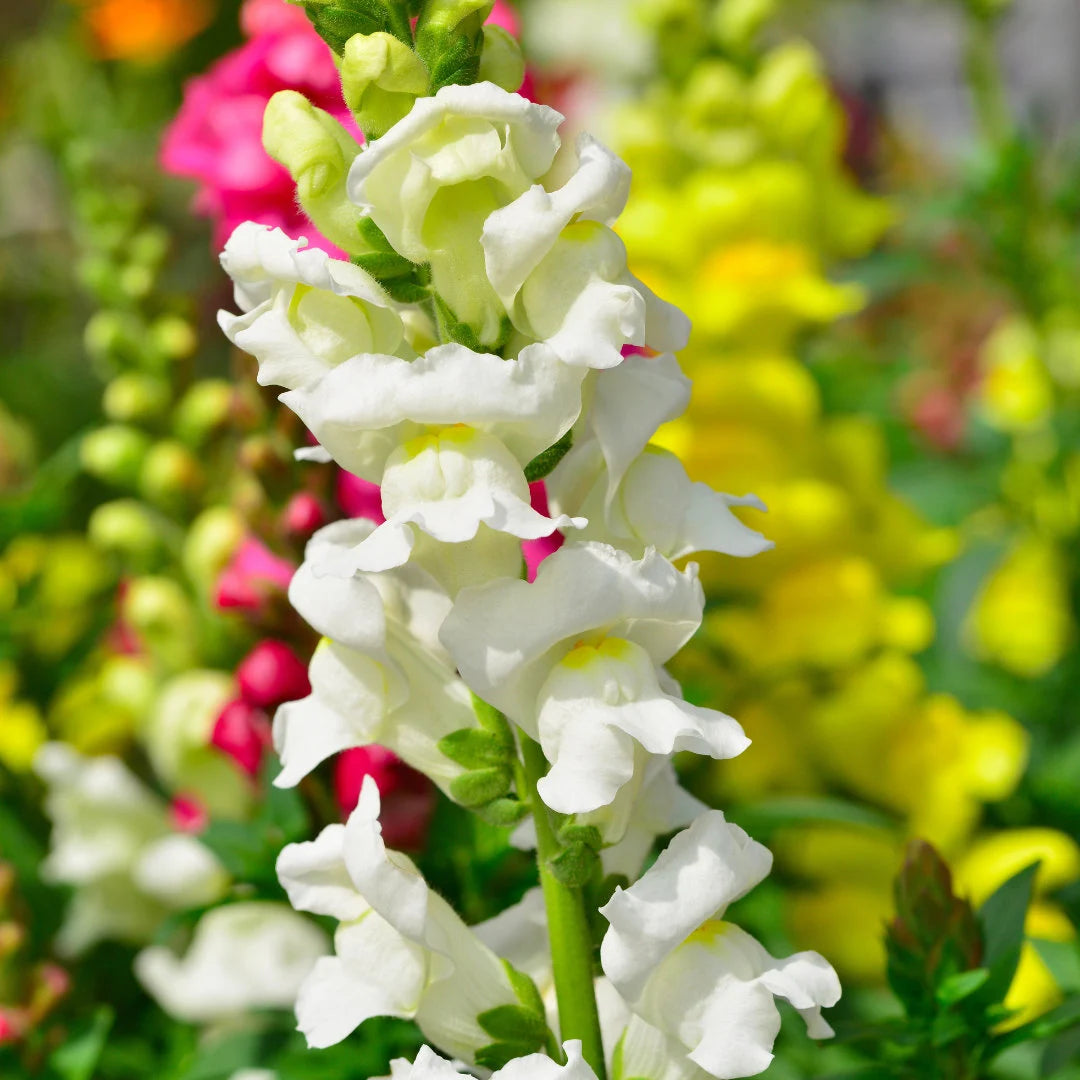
x: 1016, y: 391
x: 999, y: 856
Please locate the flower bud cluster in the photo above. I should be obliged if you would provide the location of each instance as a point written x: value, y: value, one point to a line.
x: 487, y: 335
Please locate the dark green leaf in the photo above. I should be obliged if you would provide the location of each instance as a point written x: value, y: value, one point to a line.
x: 525, y: 989
x: 1060, y: 1053
x: 961, y: 985
x: 374, y: 237
x: 544, y: 463
x: 384, y: 264
x: 514, y: 1023
x: 497, y: 1054
x: 405, y: 290
x: 1001, y: 918
x: 78, y: 1058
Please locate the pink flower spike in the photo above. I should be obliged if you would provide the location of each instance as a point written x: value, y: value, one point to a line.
x: 243, y: 732
x: 270, y: 674
x: 359, y: 498
x: 188, y: 815
x: 536, y: 551
x: 253, y: 574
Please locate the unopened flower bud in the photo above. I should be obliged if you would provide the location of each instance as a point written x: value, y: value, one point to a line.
x: 502, y: 61
x: 161, y: 614
x: 149, y: 245
x: 170, y: 475
x: 129, y: 683
x: 188, y: 815
x: 381, y: 78
x: 210, y: 543
x: 136, y: 280
x: 128, y: 528
x: 464, y: 17
x: 203, y: 409
x: 173, y: 336
x: 136, y: 397
x: 243, y: 732
x: 303, y: 515
x: 317, y: 151
x: 114, y: 454
x: 270, y: 674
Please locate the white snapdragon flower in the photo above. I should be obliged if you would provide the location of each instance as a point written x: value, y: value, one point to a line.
x: 303, y: 312
x: 561, y: 272
x: 447, y: 436
x: 583, y: 671
x: 434, y: 178
x: 246, y: 956
x: 112, y: 843
x: 401, y: 950
x: 636, y: 495
x: 700, y: 980
x: 380, y: 674
x: 429, y: 1066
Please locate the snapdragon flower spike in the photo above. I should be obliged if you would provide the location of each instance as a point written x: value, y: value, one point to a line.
x: 637, y: 495
x: 700, y: 980
x: 380, y: 674
x: 583, y: 672
x: 302, y: 311
x: 401, y: 950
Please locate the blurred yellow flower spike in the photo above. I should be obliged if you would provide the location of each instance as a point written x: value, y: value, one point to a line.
x: 1017, y: 393
x: 22, y: 730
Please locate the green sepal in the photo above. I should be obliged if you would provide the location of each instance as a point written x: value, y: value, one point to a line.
x: 575, y: 865
x: 589, y: 835
x: 524, y: 989
x: 384, y: 264
x: 406, y: 290
x: 476, y: 749
x: 373, y: 236
x: 481, y: 786
x: 514, y: 1023
x: 503, y: 813
x: 452, y: 329
x: 490, y: 719
x: 337, y: 21
x: 498, y: 1054
x: 544, y: 463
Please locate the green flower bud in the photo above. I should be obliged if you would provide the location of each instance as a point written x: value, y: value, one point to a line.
x: 161, y: 614
x: 202, y: 410
x: 381, y: 77
x: 460, y: 17
x: 170, y: 475
x: 107, y: 335
x: 173, y: 336
x: 149, y: 246
x: 317, y: 151
x: 129, y: 528
x: 136, y: 280
x: 114, y: 454
x: 736, y: 23
x: 211, y: 540
x: 128, y: 682
x: 135, y: 397
x: 502, y: 61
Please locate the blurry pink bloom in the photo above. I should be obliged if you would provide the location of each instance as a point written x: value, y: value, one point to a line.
x: 939, y: 415
x: 243, y: 732
x: 188, y: 815
x: 359, y: 498
x: 254, y: 574
x: 303, y: 515
x: 536, y: 551
x: 13, y: 1023
x: 216, y: 138
x: 502, y: 14
x: 408, y: 798
x: 51, y: 984
x: 270, y: 674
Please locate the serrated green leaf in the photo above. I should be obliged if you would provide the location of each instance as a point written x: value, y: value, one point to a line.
x: 476, y: 749
x: 514, y: 1023
x: 481, y: 786
x: 544, y: 463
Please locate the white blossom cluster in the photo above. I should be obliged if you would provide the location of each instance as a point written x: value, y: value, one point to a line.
x: 531, y: 351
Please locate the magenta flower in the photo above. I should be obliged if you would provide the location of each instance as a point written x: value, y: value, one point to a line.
x: 253, y: 576
x: 270, y: 674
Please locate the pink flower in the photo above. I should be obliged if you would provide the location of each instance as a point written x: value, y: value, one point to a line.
x: 188, y: 815
x: 359, y: 498
x: 253, y: 575
x: 303, y: 515
x: 243, y: 732
x: 216, y: 138
x: 536, y: 551
x: 270, y: 674
x: 408, y: 799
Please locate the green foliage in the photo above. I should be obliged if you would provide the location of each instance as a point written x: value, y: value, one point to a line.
x: 544, y: 463
x: 336, y: 21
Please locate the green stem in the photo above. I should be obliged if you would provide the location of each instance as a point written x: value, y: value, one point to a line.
x: 984, y: 78
x: 568, y: 925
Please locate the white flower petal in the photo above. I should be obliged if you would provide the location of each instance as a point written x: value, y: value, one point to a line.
x: 315, y: 878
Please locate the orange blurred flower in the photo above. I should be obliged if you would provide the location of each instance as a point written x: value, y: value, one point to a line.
x: 145, y: 29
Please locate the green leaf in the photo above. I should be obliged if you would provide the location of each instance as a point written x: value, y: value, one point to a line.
x: 1001, y: 918
x: 525, y: 989
x: 384, y: 264
x: 78, y: 1058
x: 452, y: 329
x: 337, y: 21
x: 497, y: 1054
x: 514, y: 1023
x: 476, y: 749
x: 961, y: 985
x: 481, y: 786
x: 406, y: 290
x: 544, y: 463
x: 772, y: 814
x: 1063, y: 960
x: 374, y: 237
x: 1060, y: 1053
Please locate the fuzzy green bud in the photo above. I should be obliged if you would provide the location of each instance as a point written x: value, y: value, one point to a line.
x: 203, y: 410
x: 114, y: 454
x: 502, y: 61
x: 211, y: 540
x: 161, y: 614
x: 128, y: 682
x: 381, y: 78
x: 459, y: 17
x: 170, y: 475
x: 128, y: 528
x: 737, y: 23
x: 173, y: 336
x: 317, y: 151
x: 135, y: 397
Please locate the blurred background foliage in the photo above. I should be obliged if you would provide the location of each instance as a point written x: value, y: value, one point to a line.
x: 880, y: 258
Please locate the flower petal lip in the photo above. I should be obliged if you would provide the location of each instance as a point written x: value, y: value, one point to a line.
x: 581, y: 589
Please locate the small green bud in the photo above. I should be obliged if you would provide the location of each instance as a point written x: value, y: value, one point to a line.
x: 503, y: 813
x: 381, y: 78
x: 149, y: 246
x: 211, y: 540
x: 475, y: 749
x: 136, y: 280
x: 114, y: 454
x: 129, y: 528
x: 135, y: 397
x: 317, y: 151
x: 170, y: 475
x: 202, y: 410
x: 173, y: 336
x: 502, y: 61
x: 514, y: 1023
x: 459, y: 17
x: 161, y: 614
x: 481, y: 786
x: 737, y: 23
x: 105, y: 335
x: 128, y: 682
x: 575, y: 864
